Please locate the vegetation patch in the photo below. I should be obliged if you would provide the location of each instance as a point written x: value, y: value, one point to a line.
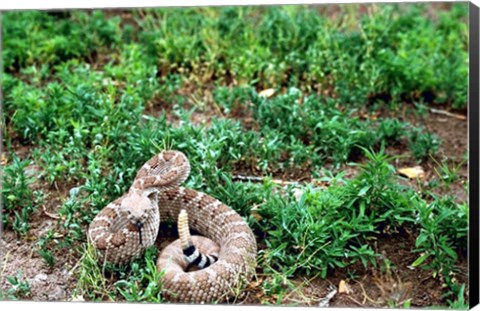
x: 298, y: 117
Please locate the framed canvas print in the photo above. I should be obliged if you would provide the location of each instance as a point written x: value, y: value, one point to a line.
x: 287, y: 155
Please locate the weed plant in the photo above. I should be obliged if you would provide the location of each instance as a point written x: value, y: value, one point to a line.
x: 20, y: 288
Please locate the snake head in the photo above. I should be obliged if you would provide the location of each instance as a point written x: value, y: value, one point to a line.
x: 138, y: 207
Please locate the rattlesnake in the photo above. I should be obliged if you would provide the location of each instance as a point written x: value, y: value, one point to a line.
x: 125, y: 227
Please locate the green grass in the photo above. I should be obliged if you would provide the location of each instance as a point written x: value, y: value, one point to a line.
x: 93, y: 97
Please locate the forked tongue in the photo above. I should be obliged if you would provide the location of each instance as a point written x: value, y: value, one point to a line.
x: 139, y: 227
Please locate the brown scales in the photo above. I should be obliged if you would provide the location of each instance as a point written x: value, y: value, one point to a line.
x: 205, y: 200
x: 119, y: 239
x: 101, y: 244
x: 189, y: 195
x: 108, y: 213
x: 132, y: 228
x: 99, y: 224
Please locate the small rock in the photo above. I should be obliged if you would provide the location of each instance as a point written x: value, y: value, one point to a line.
x: 57, y: 294
x: 32, y: 170
x: 41, y: 277
x: 78, y: 298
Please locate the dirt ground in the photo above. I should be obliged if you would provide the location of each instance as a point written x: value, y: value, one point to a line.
x: 371, y: 288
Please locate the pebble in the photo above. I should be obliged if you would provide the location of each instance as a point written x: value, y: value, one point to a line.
x: 57, y: 294
x: 41, y: 277
x: 78, y: 298
x: 32, y: 170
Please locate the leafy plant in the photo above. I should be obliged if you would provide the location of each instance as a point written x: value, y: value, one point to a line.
x: 422, y: 144
x: 448, y: 174
x: 19, y: 200
x: 144, y: 282
x: 20, y: 288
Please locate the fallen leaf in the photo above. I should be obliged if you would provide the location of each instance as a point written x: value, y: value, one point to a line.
x: 267, y: 93
x: 372, y: 117
x: 30, y: 238
x: 255, y: 214
x: 412, y: 172
x: 343, y: 288
x: 320, y: 184
x: 255, y: 284
x: 4, y: 159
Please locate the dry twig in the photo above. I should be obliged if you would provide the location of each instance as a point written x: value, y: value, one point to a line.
x: 448, y: 114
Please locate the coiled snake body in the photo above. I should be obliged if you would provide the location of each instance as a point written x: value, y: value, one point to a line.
x: 128, y: 225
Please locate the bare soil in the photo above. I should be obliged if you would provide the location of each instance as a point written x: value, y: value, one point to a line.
x: 388, y: 285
